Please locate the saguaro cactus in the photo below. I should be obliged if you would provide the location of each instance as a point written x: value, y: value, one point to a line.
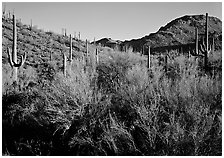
x: 213, y: 44
x: 204, y: 47
x: 13, y: 55
x: 79, y: 36
x: 50, y: 55
x: 64, y: 63
x: 70, y: 49
x: 65, y: 33
x: 87, y: 51
x: 97, y: 56
x: 148, y: 63
x: 196, y: 40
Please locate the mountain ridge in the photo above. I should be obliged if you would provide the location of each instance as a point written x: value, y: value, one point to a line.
x: 177, y: 32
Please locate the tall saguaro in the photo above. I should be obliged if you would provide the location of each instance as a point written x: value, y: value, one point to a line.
x: 196, y: 40
x: 204, y: 47
x: 148, y: 63
x: 206, y: 31
x: 87, y: 51
x: 70, y: 49
x: 13, y: 55
x: 97, y: 56
x: 64, y: 63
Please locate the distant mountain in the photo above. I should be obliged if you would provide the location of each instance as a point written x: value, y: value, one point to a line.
x: 177, y: 32
x: 108, y: 42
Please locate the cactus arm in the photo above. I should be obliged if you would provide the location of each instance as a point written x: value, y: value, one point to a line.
x: 13, y: 63
x: 23, y: 59
x: 210, y: 49
x: 10, y: 57
x: 202, y: 48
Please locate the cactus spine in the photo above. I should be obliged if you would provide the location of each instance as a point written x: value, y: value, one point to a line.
x: 13, y: 55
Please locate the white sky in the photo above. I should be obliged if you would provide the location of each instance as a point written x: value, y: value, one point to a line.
x: 119, y: 21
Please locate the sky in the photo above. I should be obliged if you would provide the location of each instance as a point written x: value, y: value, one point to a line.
x: 116, y: 20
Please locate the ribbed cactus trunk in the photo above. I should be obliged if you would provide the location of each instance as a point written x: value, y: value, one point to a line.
x: 148, y: 63
x: 196, y: 40
x: 206, y: 42
x: 79, y: 41
x: 213, y: 45
x: 64, y: 63
x: 196, y: 45
x: 65, y: 33
x: 15, y: 69
x: 87, y: 52
x: 70, y: 49
x: 97, y: 56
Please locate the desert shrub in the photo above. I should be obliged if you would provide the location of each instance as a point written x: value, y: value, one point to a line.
x: 46, y: 72
x: 112, y: 68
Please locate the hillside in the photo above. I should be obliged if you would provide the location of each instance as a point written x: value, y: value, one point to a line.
x: 38, y: 44
x: 179, y: 31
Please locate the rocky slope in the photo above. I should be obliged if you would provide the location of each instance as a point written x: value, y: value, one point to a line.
x: 39, y: 44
